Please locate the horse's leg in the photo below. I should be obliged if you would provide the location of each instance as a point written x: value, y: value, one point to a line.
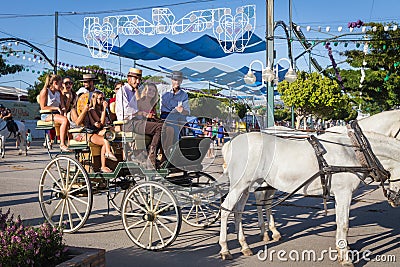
x: 227, y: 206
x: 260, y: 196
x: 276, y: 236
x: 239, y: 224
x: 342, y: 206
x: 18, y: 143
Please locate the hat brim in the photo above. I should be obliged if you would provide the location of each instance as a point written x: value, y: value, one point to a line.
x: 89, y: 80
x: 134, y: 75
x: 174, y: 77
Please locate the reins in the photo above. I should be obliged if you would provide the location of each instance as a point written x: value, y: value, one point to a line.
x: 309, y: 180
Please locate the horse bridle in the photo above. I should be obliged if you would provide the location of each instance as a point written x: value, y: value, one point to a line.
x: 397, y: 133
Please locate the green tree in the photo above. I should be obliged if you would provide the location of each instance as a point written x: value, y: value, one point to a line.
x: 313, y: 94
x: 380, y: 89
x: 282, y: 114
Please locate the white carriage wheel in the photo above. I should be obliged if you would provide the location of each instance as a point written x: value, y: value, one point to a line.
x: 65, y: 194
x: 118, y: 189
x: 151, y: 216
x: 2, y: 147
x: 204, y: 208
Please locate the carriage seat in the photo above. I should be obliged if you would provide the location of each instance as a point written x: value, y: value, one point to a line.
x: 46, y: 125
x: 82, y: 145
x: 141, y: 141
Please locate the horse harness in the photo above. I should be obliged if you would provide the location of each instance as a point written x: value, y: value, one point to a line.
x: 370, y: 165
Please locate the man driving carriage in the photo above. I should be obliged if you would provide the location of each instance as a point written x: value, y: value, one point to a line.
x: 175, y: 104
x: 6, y: 114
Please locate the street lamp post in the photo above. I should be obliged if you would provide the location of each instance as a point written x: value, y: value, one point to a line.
x: 270, y: 59
x: 270, y: 77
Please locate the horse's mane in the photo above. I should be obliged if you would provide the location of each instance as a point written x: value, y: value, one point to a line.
x: 392, y: 145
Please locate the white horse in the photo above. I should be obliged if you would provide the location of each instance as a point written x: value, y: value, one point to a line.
x: 285, y: 164
x: 386, y: 123
x: 21, y: 135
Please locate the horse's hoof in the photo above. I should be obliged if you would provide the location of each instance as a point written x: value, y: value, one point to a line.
x: 276, y: 237
x: 226, y: 255
x: 347, y: 264
x: 265, y: 238
x: 247, y: 252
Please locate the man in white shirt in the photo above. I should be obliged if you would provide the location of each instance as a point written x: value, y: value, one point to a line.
x: 126, y: 109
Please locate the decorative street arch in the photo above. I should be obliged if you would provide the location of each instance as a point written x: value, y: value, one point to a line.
x: 233, y: 31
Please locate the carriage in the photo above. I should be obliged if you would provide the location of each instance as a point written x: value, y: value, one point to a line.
x: 152, y: 203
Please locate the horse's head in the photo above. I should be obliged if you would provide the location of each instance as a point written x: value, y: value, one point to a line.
x: 393, y: 193
x: 387, y: 149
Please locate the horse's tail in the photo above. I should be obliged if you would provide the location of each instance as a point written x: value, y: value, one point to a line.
x: 225, y: 152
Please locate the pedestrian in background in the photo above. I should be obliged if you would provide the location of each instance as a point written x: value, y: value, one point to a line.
x: 28, y: 138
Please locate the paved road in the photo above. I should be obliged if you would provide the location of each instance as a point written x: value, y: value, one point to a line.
x: 374, y: 226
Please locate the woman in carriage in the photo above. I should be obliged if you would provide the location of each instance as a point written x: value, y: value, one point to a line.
x: 92, y: 116
x: 147, y: 106
x: 50, y: 99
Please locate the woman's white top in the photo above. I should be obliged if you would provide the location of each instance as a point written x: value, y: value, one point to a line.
x: 53, y: 99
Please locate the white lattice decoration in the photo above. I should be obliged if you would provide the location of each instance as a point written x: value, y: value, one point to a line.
x: 233, y: 31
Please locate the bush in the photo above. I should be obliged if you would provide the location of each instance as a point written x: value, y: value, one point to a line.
x: 29, y: 246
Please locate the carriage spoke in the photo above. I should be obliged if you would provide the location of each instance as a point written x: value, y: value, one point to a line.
x: 159, y: 234
x: 56, y: 208
x: 166, y: 207
x: 75, y: 209
x: 51, y: 188
x: 142, y: 232
x: 59, y: 173
x: 71, y: 225
x: 137, y: 205
x: 48, y: 201
x: 166, y: 228
x: 144, y: 201
x: 197, y: 213
x: 78, y: 199
x: 172, y: 218
x: 190, y: 211
x: 135, y: 224
x: 151, y: 234
x: 159, y: 200
x: 73, y: 179
x: 151, y: 189
x: 77, y: 189
x: 53, y: 178
x: 134, y: 214
x: 202, y: 212
x: 67, y: 174
x: 62, y: 214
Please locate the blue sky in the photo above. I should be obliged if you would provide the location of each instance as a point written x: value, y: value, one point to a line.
x: 16, y: 21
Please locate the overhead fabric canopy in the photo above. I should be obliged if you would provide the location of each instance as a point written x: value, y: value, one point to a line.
x: 232, y: 79
x: 205, y: 46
